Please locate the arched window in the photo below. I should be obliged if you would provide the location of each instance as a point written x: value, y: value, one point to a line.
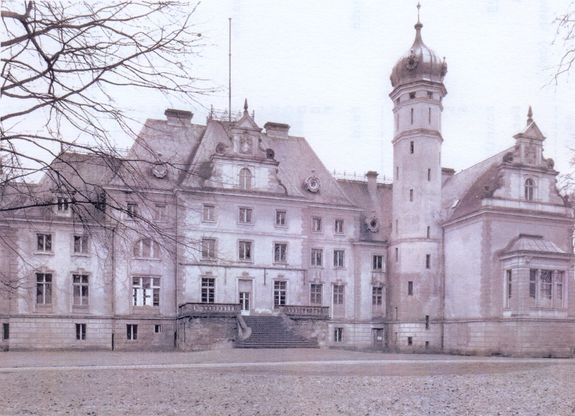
x: 147, y: 248
x: 529, y: 189
x: 245, y: 178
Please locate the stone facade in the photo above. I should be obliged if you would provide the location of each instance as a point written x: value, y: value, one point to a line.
x: 198, y: 224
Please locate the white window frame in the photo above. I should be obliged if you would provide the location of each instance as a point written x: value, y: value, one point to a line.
x: 81, y: 330
x: 208, y: 249
x: 316, y: 293
x: 338, y: 294
x: 246, y: 179
x: 81, y: 243
x: 280, y: 293
x: 246, y: 250
x: 80, y: 289
x: 316, y: 224
x: 44, y: 242
x: 160, y: 212
x: 45, y: 281
x: 281, y: 218
x: 246, y: 215
x: 132, y: 332
x: 338, y: 226
x: 146, y: 291
x: 208, y: 289
x: 317, y: 257
x: 338, y: 259
x: 377, y: 263
x: 208, y: 213
x: 145, y: 244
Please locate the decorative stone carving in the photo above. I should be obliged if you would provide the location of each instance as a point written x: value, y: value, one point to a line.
x: 412, y: 61
x: 312, y: 184
x: 160, y: 170
x: 372, y: 224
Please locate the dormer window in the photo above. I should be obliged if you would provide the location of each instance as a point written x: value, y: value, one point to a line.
x: 63, y: 205
x: 245, y: 179
x: 529, y: 189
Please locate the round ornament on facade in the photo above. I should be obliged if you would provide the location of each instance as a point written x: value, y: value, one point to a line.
x: 372, y: 224
x: 160, y: 170
x: 312, y: 184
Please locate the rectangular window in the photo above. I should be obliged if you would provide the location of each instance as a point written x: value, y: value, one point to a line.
x: 280, y: 290
x: 428, y: 175
x: 245, y: 250
x: 62, y: 204
x: 397, y: 172
x: 426, y: 321
x: 81, y: 291
x: 412, y: 115
x: 281, y: 218
x: 377, y: 263
x: 208, y: 213
x: 44, y: 242
x: 508, y: 283
x: 338, y: 259
x: 81, y: 244
x: 411, y: 195
x: 315, y: 293
x: 338, y: 226
x: 546, y: 286
x: 428, y: 232
x: 429, y: 115
x: 412, y: 95
x: 132, y: 210
x: 396, y: 254
x: 428, y: 261
x: 146, y: 291
x: 160, y: 212
x: 316, y: 257
x: 377, y: 295
x: 5, y: 331
x: 280, y: 252
x: 43, y: 288
x: 338, y: 335
x: 411, y: 147
x: 396, y: 227
x: 208, y: 248
x: 533, y: 283
x: 410, y: 288
x: 409, y: 340
x: 208, y: 290
x: 338, y: 291
x: 246, y: 215
x: 429, y: 94
x: 81, y: 332
x: 559, y: 288
x: 316, y: 224
x: 131, y: 332
x: 157, y: 329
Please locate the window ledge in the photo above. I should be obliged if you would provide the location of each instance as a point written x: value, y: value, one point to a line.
x: 146, y: 259
x: 81, y: 255
x: 44, y: 253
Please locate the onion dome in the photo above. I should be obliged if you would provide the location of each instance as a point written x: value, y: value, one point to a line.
x: 420, y: 63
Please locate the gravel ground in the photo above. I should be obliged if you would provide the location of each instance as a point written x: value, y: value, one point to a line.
x: 348, y: 384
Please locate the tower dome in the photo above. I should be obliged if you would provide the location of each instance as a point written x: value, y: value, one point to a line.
x: 420, y: 63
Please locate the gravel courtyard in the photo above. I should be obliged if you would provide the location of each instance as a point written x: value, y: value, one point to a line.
x: 281, y: 382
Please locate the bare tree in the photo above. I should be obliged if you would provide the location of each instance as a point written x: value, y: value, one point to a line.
x: 565, y: 35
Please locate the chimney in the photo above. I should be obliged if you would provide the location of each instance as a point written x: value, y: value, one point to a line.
x: 178, y: 117
x: 372, y: 182
x: 277, y: 129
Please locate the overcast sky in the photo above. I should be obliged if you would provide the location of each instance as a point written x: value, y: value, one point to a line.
x: 323, y: 68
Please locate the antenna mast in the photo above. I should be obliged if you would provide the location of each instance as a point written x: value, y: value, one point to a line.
x: 229, y: 69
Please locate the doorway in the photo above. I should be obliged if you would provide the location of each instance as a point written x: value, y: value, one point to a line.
x: 245, y: 296
x: 378, y: 338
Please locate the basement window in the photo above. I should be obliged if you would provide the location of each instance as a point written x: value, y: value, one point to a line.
x: 81, y: 332
x: 132, y: 332
x: 409, y: 340
x: 338, y: 335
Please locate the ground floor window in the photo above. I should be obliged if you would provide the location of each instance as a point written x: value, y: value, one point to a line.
x: 409, y: 340
x: 5, y: 331
x: 43, y: 288
x: 80, y: 284
x: 157, y: 329
x: 146, y: 291
x: 280, y: 289
x: 546, y: 287
x: 338, y: 335
x: 81, y: 332
x: 132, y: 332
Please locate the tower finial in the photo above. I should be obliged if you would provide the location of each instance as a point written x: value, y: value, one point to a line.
x: 418, y: 7
x: 529, y: 116
x: 245, y: 104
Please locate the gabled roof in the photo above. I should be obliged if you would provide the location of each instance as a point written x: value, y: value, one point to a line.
x: 531, y: 131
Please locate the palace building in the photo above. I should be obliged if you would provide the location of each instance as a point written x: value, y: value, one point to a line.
x: 235, y: 234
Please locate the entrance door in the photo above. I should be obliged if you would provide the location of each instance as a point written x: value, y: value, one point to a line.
x: 378, y: 341
x: 245, y: 296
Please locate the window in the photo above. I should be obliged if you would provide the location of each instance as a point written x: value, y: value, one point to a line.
x: 131, y: 332
x: 81, y: 332
x: 280, y: 252
x: 338, y: 291
x: 281, y: 218
x: 245, y: 179
x: 62, y: 205
x: 245, y: 250
x: 208, y: 290
x: 377, y: 263
x: 5, y: 331
x: 338, y: 226
x: 411, y: 147
x: 428, y: 261
x: 411, y: 195
x: 43, y: 288
x: 377, y: 295
x: 428, y: 232
x: 546, y: 285
x: 246, y: 215
x: 132, y: 210
x: 428, y: 175
x: 397, y: 172
x: 429, y: 94
x: 508, y: 282
x: 426, y: 321
x: 315, y: 293
x: 280, y: 290
x: 160, y: 212
x: 559, y: 287
x: 546, y: 288
x: 147, y: 248
x: 410, y: 288
x: 208, y: 213
x: 80, y: 289
x: 412, y: 95
x: 157, y: 329
x: 396, y: 254
x: 412, y: 116
x: 529, y: 189
x: 208, y: 249
x: 245, y: 144
x: 317, y: 257
x: 396, y: 227
x: 81, y: 244
x: 44, y: 242
x: 316, y: 224
x: 338, y: 258
x: 146, y: 291
x: 532, y: 283
x: 429, y: 115
x: 409, y: 340
x: 338, y: 335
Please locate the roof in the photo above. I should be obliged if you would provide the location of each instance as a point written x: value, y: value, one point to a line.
x: 532, y: 243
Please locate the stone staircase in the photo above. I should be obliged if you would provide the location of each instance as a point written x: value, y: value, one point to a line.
x: 272, y: 332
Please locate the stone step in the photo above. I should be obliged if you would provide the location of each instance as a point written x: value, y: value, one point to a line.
x: 272, y: 332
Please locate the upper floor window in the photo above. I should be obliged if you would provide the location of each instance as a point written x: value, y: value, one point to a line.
x: 412, y: 116
x: 377, y: 264
x: 147, y: 248
x: 159, y: 212
x: 245, y: 215
x: 428, y: 261
x: 208, y: 249
x: 146, y: 291
x: 529, y: 189
x: 44, y: 242
x: 429, y: 94
x: 43, y: 288
x: 281, y: 218
x: 317, y: 257
x: 81, y: 244
x: 338, y: 226
x: 208, y: 213
x: 315, y: 293
x: 280, y: 292
x: 412, y: 147
x: 62, y: 205
x: 316, y: 224
x: 338, y: 258
x: 280, y: 252
x: 80, y: 285
x: 508, y: 287
x: 377, y: 295
x: 245, y: 250
x: 208, y: 290
x: 338, y: 291
x: 245, y: 179
x: 132, y: 209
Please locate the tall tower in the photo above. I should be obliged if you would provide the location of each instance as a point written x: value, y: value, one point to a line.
x: 415, y: 256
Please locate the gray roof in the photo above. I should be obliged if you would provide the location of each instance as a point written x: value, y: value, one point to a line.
x: 533, y: 243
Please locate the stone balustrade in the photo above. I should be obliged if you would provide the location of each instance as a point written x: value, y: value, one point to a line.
x: 209, y: 309
x: 305, y: 311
